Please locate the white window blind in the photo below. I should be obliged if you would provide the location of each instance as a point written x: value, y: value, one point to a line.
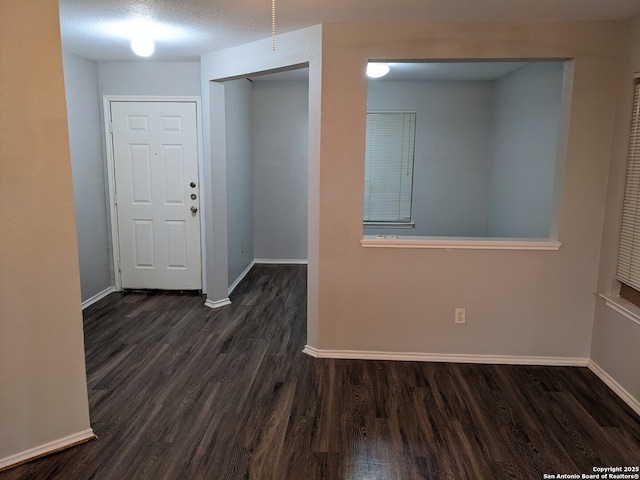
x: 389, y: 152
x: 629, y: 252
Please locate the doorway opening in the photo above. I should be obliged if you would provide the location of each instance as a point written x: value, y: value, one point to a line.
x: 266, y: 143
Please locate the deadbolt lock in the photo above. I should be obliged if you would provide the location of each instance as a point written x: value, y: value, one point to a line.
x: 193, y: 196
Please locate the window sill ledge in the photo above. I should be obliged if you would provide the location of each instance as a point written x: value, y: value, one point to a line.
x: 373, y: 225
x: 391, y: 241
x: 623, y: 307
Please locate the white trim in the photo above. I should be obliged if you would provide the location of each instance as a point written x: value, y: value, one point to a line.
x: 618, y: 389
x: 446, y: 357
x: 311, y: 351
x: 202, y: 192
x: 47, y: 448
x: 106, y: 106
x: 623, y: 307
x: 373, y: 225
x: 98, y: 296
x: 265, y: 261
x: 111, y: 184
x: 217, y: 303
x: 480, y: 243
x: 244, y: 273
x: 281, y: 261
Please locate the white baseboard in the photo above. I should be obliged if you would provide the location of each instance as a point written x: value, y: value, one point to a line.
x: 97, y: 297
x: 450, y: 358
x: 618, y: 389
x: 218, y: 303
x: 282, y: 261
x: 265, y: 261
x: 241, y: 277
x: 47, y: 448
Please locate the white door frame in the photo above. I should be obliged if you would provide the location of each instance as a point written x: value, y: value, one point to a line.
x: 106, y: 103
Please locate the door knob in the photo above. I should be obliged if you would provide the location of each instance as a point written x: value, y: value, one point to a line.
x: 194, y: 209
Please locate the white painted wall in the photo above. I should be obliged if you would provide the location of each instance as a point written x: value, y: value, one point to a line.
x: 280, y: 151
x: 240, y: 215
x: 525, y: 142
x: 453, y: 147
x: 88, y: 170
x: 266, y: 125
x: 149, y: 78
x: 614, y: 346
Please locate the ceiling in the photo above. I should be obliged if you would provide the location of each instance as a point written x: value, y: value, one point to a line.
x: 184, y: 29
x: 461, y: 71
x: 418, y: 71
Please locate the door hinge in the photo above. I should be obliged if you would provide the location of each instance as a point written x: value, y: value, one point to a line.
x: 111, y: 127
x: 119, y: 267
x: 115, y: 199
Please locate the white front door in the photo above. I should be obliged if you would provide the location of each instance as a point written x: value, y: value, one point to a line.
x: 155, y: 152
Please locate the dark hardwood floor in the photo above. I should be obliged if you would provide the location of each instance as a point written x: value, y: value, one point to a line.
x: 180, y: 391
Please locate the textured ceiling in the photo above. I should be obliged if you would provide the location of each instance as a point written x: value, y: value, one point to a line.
x: 185, y: 29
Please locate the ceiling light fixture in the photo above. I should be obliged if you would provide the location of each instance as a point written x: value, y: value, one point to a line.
x: 377, y: 70
x: 142, y: 45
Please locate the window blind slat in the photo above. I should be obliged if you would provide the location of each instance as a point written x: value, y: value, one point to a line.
x: 389, y: 154
x: 628, y: 268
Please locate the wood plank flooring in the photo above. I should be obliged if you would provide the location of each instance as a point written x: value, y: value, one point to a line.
x: 180, y: 391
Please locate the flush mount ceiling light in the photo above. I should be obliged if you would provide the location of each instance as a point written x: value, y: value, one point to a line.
x: 129, y: 30
x: 377, y: 70
x: 142, y: 45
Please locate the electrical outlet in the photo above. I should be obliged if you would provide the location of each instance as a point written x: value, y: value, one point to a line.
x: 460, y: 315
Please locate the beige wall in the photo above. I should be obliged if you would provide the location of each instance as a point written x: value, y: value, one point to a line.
x: 616, y: 339
x: 520, y: 303
x: 43, y: 395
